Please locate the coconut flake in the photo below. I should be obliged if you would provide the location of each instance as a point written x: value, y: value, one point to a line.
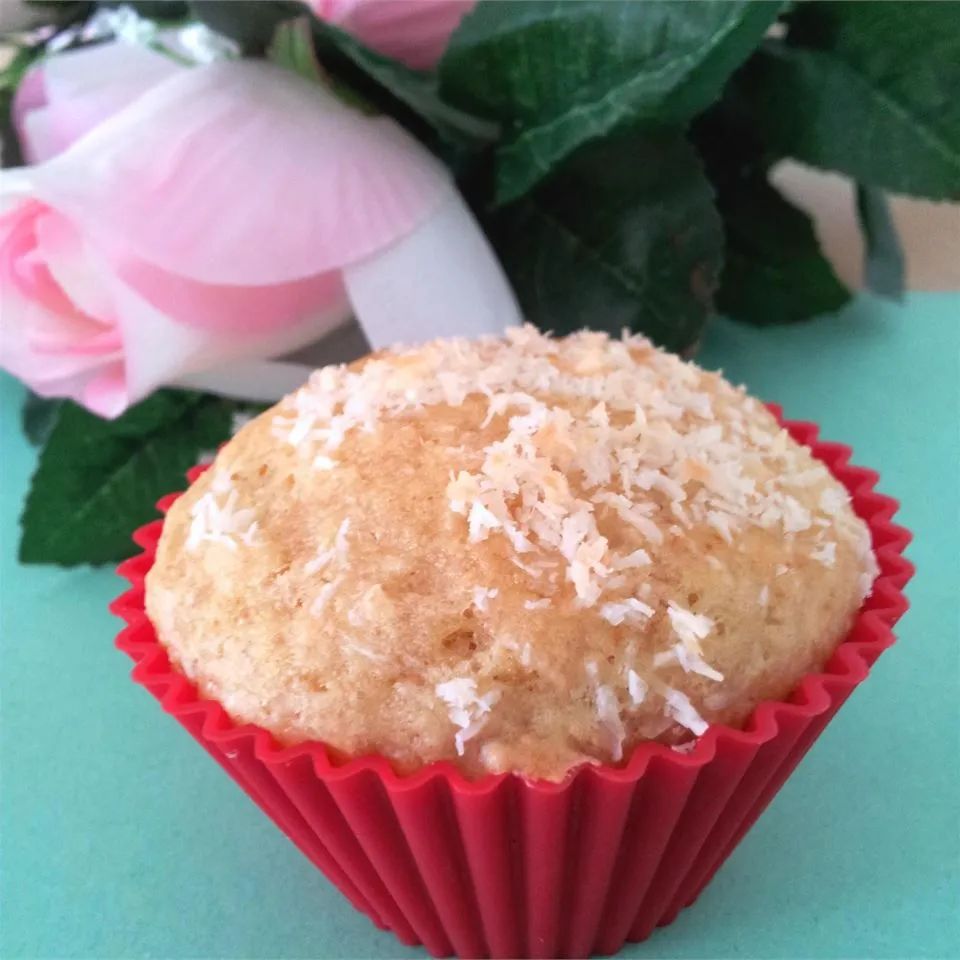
x: 482, y: 597
x: 690, y: 627
x: 833, y: 500
x: 481, y: 521
x: 795, y: 516
x: 636, y: 687
x: 631, y: 610
x: 638, y: 558
x: 355, y: 617
x: 338, y: 550
x: 690, y: 662
x: 323, y: 597
x: 322, y: 558
x: 825, y: 553
x: 867, y: 578
x: 215, y: 518
x: 608, y: 712
x: 540, y: 604
x: 679, y: 708
x: 364, y: 651
x: 723, y: 523
x: 526, y: 568
x: 466, y: 709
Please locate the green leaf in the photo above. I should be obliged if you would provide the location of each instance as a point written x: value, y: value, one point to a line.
x: 624, y: 235
x: 560, y: 73
x: 98, y: 480
x: 250, y: 23
x: 17, y: 66
x: 883, y: 260
x: 163, y: 11
x: 774, y: 270
x: 357, y: 74
x: 39, y: 417
x: 292, y: 49
x: 10, y: 77
x: 348, y: 59
x: 869, y: 89
x: 61, y: 13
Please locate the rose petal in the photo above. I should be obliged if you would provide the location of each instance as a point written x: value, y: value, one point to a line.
x: 98, y: 342
x: 59, y: 374
x: 237, y: 309
x: 160, y: 351
x: 30, y: 95
x: 45, y: 338
x: 273, y: 379
x: 16, y: 188
x: 261, y: 380
x: 62, y: 249
x: 415, y: 32
x: 243, y: 173
x: 106, y: 394
x: 71, y: 93
x: 442, y: 280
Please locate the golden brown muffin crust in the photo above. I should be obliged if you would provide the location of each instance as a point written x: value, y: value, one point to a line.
x: 515, y: 555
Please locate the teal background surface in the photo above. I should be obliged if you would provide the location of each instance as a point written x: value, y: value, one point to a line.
x: 120, y: 838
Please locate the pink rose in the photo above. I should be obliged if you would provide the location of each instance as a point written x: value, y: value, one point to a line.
x: 58, y: 101
x: 415, y: 32
x: 186, y: 223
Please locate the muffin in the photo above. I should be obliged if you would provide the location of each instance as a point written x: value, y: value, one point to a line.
x: 516, y: 555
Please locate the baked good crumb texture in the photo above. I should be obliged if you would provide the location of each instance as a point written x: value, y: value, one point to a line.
x: 516, y: 554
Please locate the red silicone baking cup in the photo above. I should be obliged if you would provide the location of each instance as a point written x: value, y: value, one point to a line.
x: 509, y: 867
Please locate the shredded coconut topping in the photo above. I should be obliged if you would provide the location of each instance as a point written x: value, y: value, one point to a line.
x: 215, y: 518
x: 636, y: 687
x: 691, y: 628
x: 826, y: 554
x: 832, y: 500
x: 364, y: 651
x: 608, y: 712
x: 652, y: 448
x: 466, y: 709
x: 683, y: 711
x: 524, y: 652
x: 631, y: 610
x: 639, y: 558
x: 482, y: 597
x: 322, y: 598
x: 590, y: 442
x: 336, y: 552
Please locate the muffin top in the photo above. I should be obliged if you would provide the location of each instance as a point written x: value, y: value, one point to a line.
x: 517, y: 555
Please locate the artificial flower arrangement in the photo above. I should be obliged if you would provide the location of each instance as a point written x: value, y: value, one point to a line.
x: 205, y: 200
